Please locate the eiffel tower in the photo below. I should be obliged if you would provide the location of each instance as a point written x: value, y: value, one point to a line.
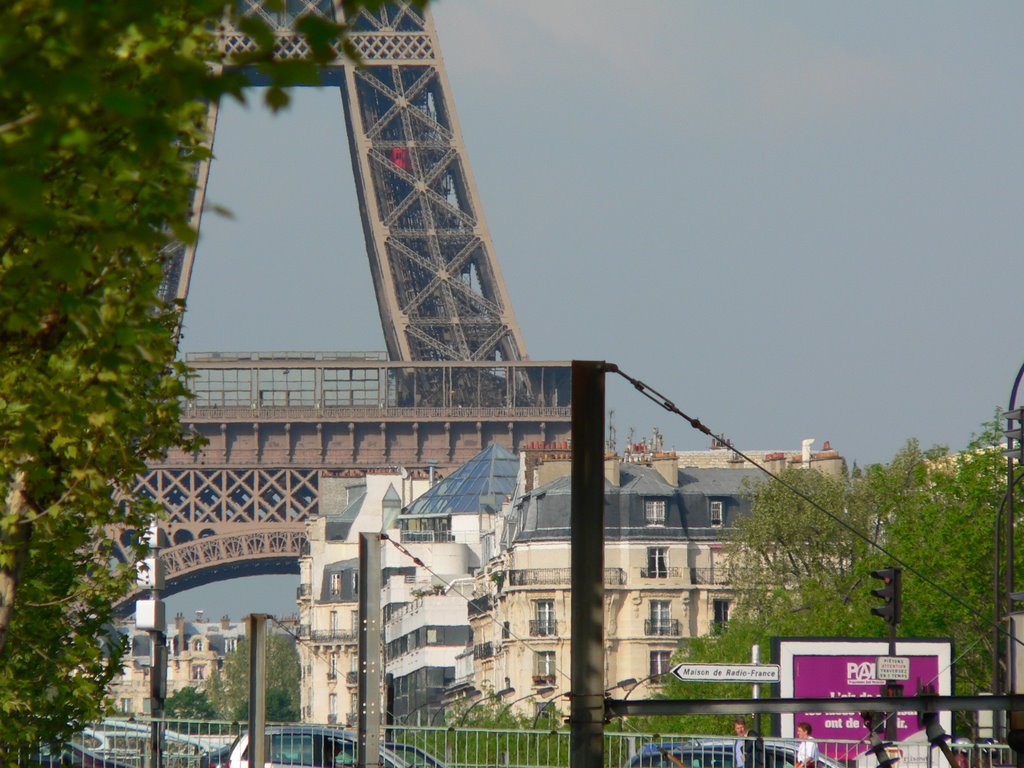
x: 455, y: 376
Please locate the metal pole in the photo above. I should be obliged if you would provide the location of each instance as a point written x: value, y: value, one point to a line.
x: 586, y: 711
x: 755, y: 658
x: 370, y: 676
x: 1010, y: 576
x: 1002, y: 677
x: 256, y: 629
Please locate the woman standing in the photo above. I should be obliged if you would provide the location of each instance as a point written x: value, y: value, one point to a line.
x: 807, y: 752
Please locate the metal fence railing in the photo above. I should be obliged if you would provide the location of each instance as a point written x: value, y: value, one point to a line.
x: 206, y: 744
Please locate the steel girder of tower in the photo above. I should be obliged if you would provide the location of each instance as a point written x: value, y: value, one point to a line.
x: 438, y: 285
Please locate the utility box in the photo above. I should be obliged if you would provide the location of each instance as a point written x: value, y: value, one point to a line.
x: 149, y: 615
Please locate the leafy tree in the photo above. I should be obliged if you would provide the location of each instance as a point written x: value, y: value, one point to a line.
x: 189, y: 704
x: 228, y: 687
x: 102, y: 106
x: 800, y: 572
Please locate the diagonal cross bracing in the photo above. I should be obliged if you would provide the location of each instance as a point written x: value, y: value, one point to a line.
x: 439, y: 288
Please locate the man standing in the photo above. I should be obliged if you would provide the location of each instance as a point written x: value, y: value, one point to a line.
x: 749, y: 746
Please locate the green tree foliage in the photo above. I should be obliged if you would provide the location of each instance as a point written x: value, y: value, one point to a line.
x: 801, y: 572
x: 228, y: 687
x: 102, y: 106
x: 189, y: 704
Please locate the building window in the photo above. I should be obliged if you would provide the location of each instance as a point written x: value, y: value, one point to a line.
x: 654, y: 511
x: 355, y: 621
x: 334, y: 621
x: 657, y: 563
x: 660, y: 662
x: 332, y: 672
x: 126, y: 706
x: 543, y: 624
x: 433, y: 638
x: 335, y: 583
x: 199, y: 672
x: 661, y: 623
x: 721, y: 609
x: 197, y: 645
x: 332, y: 704
x: 543, y: 667
x: 716, y: 514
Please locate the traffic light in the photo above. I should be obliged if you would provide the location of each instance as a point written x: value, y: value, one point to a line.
x: 892, y: 583
x: 1015, y: 434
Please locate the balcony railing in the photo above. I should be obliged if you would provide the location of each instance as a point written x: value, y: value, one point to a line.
x: 480, y: 606
x: 326, y: 635
x: 430, y: 537
x: 532, y: 577
x: 539, y: 680
x: 483, y: 650
x: 304, y: 590
x: 352, y: 677
x: 332, y: 676
x: 660, y: 572
x: 543, y: 628
x: 661, y: 627
x: 709, y: 576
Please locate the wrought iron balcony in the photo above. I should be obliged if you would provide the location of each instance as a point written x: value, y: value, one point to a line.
x: 662, y: 628
x: 660, y: 572
x: 532, y: 577
x: 543, y: 628
x: 332, y: 676
x: 480, y: 606
x: 303, y: 590
x: 709, y: 576
x: 483, y: 650
x: 328, y: 635
x: 352, y: 678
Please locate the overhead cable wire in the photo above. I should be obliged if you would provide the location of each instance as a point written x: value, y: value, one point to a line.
x: 454, y: 588
x: 661, y: 400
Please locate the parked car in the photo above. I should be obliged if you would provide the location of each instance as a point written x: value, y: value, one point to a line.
x: 706, y: 753
x: 315, y: 746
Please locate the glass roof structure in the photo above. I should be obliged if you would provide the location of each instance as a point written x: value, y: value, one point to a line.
x: 480, y: 485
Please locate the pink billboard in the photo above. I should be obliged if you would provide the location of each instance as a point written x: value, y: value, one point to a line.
x: 829, y: 668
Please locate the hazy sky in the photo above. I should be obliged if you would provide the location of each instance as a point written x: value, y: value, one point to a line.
x: 796, y: 220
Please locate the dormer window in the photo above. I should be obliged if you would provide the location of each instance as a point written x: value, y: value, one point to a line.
x: 716, y: 514
x: 335, y: 583
x: 654, y: 511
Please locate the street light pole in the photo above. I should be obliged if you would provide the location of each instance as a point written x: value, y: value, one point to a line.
x: 1003, y: 682
x: 1004, y: 603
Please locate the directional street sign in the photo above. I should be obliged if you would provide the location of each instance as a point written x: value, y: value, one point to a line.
x: 893, y: 668
x: 728, y: 673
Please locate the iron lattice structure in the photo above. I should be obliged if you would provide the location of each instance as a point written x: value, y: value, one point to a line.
x: 455, y: 376
x: 439, y: 288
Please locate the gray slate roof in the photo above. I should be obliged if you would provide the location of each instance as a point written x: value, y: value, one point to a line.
x: 544, y: 514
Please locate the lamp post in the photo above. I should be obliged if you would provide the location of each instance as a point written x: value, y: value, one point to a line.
x: 1005, y: 609
x: 493, y: 697
x: 1003, y: 681
x: 539, y: 692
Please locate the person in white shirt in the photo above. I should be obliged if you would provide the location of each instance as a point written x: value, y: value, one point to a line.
x: 807, y: 752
